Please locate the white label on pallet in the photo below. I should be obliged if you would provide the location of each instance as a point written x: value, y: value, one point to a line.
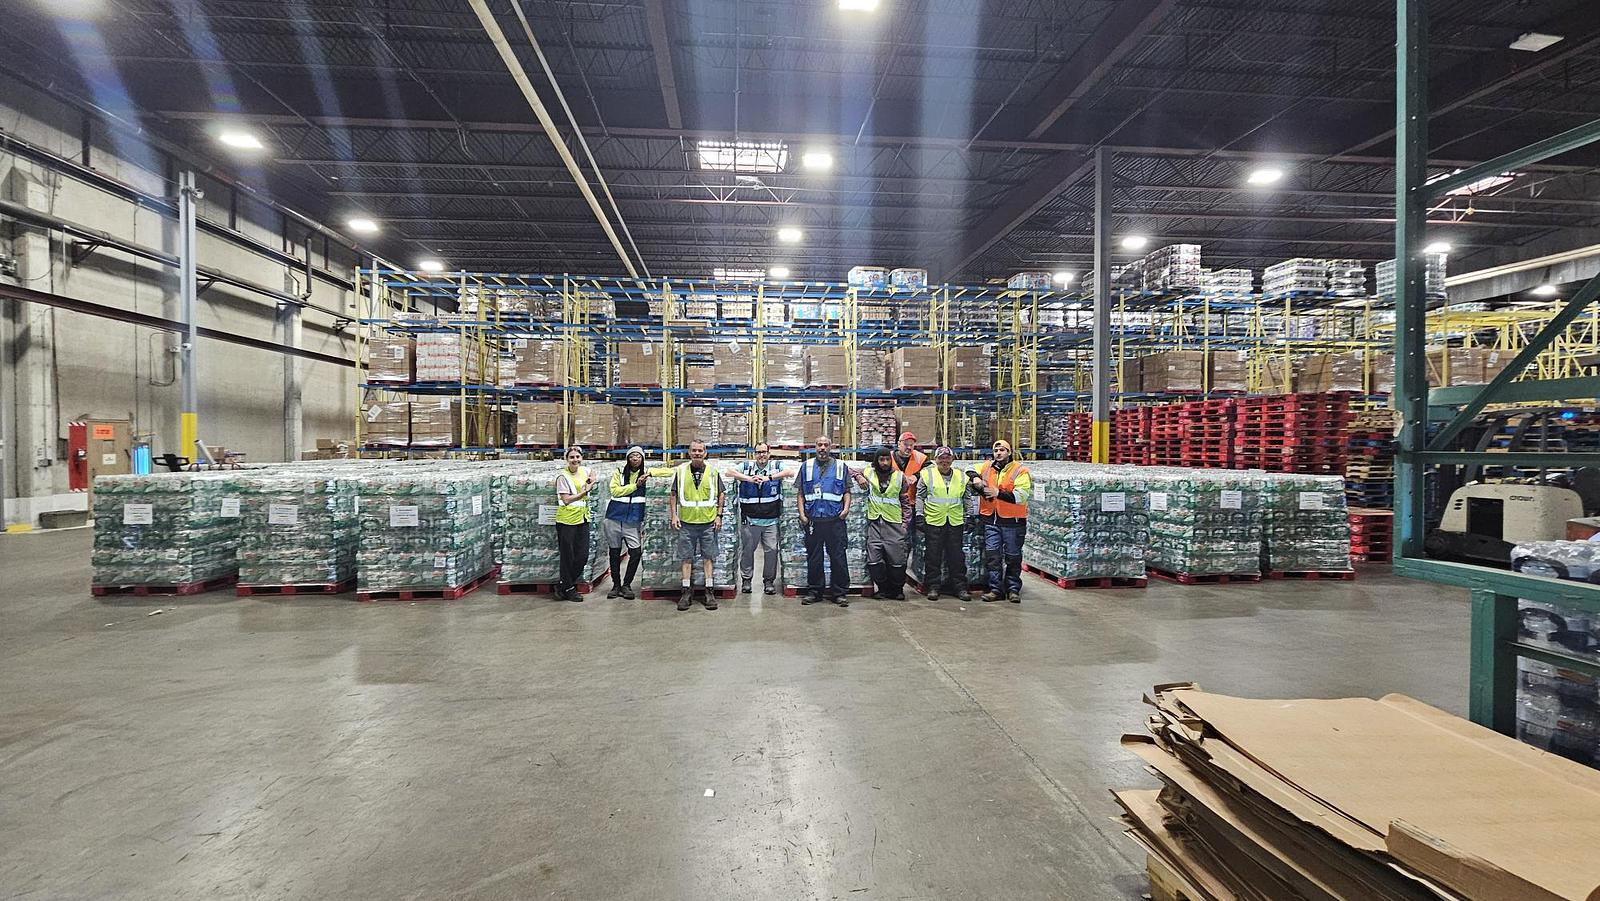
x: 373, y: 412
x: 138, y: 514
x: 230, y: 508
x: 440, y: 561
x: 647, y: 350
x: 519, y: 342
x: 1311, y: 500
x: 1113, y: 502
x: 1230, y: 499
x: 547, y: 514
x: 283, y: 514
x: 402, y: 517
x: 1158, y: 500
x: 397, y: 353
x: 477, y: 505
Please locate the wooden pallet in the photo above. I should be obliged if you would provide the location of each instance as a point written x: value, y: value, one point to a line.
x: 246, y: 591
x: 181, y: 589
x: 1207, y: 579
x: 429, y: 594
x: 1311, y: 575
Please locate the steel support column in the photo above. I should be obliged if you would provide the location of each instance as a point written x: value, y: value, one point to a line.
x: 189, y: 419
x: 1100, y: 369
x: 1411, y: 196
x: 1492, y: 696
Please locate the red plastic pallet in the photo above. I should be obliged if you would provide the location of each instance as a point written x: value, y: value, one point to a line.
x: 1085, y: 581
x: 865, y: 591
x: 540, y: 587
x: 1338, y: 575
x: 1204, y: 579
x: 721, y: 592
x: 429, y: 594
x: 246, y: 591
x: 155, y: 591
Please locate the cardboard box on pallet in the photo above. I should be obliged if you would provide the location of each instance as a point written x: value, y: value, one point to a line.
x: 1228, y: 371
x: 599, y: 425
x: 870, y: 367
x: 436, y: 423
x: 539, y: 362
x: 695, y: 424
x: 922, y: 421
x: 788, y: 427
x: 389, y: 358
x: 1174, y: 372
x: 827, y: 367
x: 785, y: 365
x: 1322, y: 373
x: 388, y: 424
x: 639, y: 364
x: 643, y: 426
x: 539, y: 423
x: 1279, y: 374
x: 699, y: 378
x: 969, y: 367
x: 1464, y: 365
x: 733, y: 363
x: 913, y: 367
x: 449, y: 357
x: 733, y: 428
x: 872, y: 278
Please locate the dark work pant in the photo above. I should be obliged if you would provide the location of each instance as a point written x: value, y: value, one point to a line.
x: 945, y: 563
x: 827, y: 535
x: 1002, y: 553
x: 573, y: 544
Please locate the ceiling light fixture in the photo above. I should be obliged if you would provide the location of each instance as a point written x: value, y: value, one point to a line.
x: 790, y: 235
x: 1545, y: 290
x: 817, y: 160
x: 1063, y: 278
x: 1437, y: 247
x: 362, y: 226
x: 240, y: 140
x: 1265, y: 176
x: 778, y: 272
x: 1135, y: 242
x: 1534, y: 41
x: 864, y: 6
x: 431, y: 266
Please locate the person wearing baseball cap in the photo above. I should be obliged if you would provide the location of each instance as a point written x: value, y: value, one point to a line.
x: 942, y: 500
x: 624, y: 522
x: 910, y: 462
x: 1006, y: 487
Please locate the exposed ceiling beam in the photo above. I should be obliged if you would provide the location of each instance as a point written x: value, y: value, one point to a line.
x: 1484, y: 74
x: 1122, y: 29
x: 656, y: 14
x: 1018, y: 206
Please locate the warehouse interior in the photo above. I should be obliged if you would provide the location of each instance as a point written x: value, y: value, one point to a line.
x: 1285, y: 307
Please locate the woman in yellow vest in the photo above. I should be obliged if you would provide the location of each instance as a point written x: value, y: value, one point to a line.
x: 572, y: 523
x: 886, y: 524
x: 942, y: 498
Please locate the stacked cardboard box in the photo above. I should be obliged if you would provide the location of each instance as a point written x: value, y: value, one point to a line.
x: 1354, y: 798
x: 1279, y: 374
x: 639, y: 364
x: 913, y: 367
x: 827, y: 367
x: 330, y: 449
x: 389, y: 358
x: 643, y: 424
x: 539, y: 423
x: 695, y: 424
x: 1322, y: 373
x: 1464, y: 365
x: 541, y: 363
x: 449, y: 357
x: 1174, y: 372
x: 969, y: 367
x: 922, y: 421
x: 435, y: 422
x: 870, y: 366
x: 733, y: 364
x: 788, y: 427
x: 1229, y: 371
x: 388, y: 424
x: 699, y: 378
x: 599, y: 425
x: 733, y: 428
x: 785, y: 365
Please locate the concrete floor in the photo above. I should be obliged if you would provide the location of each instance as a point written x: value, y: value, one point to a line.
x: 512, y: 747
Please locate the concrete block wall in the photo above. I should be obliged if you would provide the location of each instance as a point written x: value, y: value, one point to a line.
x: 61, y: 365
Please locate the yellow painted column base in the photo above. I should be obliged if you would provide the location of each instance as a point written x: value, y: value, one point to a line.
x: 188, y: 432
x: 1100, y: 442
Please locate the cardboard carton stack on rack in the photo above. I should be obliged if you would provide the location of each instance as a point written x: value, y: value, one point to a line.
x: 539, y: 424
x: 1348, y: 371
x: 1464, y: 365
x: 912, y: 368
x: 389, y: 358
x: 785, y: 365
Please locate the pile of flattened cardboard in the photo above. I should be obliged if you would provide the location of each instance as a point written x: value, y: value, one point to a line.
x: 1356, y: 798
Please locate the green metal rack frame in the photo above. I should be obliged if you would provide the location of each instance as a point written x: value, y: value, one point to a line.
x: 1495, y: 648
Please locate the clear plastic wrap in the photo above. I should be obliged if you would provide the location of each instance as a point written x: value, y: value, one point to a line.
x: 1306, y: 525
x: 166, y: 529
x: 1558, y: 709
x: 298, y: 526
x: 529, y: 551
x: 427, y: 528
x: 661, y: 568
x: 1575, y: 560
x: 1204, y: 522
x: 1087, y: 521
x: 785, y: 365
x: 1295, y: 276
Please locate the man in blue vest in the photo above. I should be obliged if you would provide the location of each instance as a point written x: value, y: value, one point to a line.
x: 760, y: 503
x: 824, y: 502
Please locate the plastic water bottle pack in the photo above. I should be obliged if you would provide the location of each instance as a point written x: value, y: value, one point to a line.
x: 1306, y: 525
x: 1204, y: 522
x: 298, y: 526
x: 166, y: 529
x: 1088, y: 521
x: 424, y: 529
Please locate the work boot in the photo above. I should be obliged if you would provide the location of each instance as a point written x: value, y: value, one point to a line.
x: 933, y: 594
x: 991, y: 596
x: 897, y: 582
x: 842, y: 601
x: 810, y: 599
x: 709, y: 600
x: 685, y: 599
x: 744, y: 587
x: 615, y: 592
x: 1014, y: 598
x: 769, y: 588
x: 627, y: 592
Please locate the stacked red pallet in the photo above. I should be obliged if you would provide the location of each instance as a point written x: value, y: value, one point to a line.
x: 1198, y: 433
x: 1371, y: 535
x: 1292, y: 433
x: 1130, y: 435
x: 1080, y: 437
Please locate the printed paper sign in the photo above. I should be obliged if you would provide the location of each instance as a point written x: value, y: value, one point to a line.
x: 547, y: 514
x: 402, y: 517
x: 138, y: 514
x: 477, y: 505
x: 1311, y: 500
x: 103, y: 433
x: 373, y: 412
x: 397, y: 353
x: 1232, y: 500
x: 1158, y: 500
x: 108, y: 459
x: 283, y: 514
x: 230, y: 508
x: 647, y: 350
x: 440, y: 561
x: 1113, y: 502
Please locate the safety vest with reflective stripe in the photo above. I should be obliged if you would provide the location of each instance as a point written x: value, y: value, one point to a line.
x: 824, y: 492
x: 575, y: 511
x: 698, y: 503
x: 943, y: 500
x: 883, y: 500
x: 763, y: 501
x: 914, y: 466
x: 627, y: 499
x: 1015, y: 478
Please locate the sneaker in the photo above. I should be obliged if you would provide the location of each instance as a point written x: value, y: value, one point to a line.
x: 615, y: 592
x: 709, y: 601
x: 991, y: 596
x: 810, y: 599
x: 744, y: 588
x: 769, y: 588
x: 1014, y: 598
x: 933, y: 595
x: 842, y: 601
x: 627, y: 592
x: 685, y: 600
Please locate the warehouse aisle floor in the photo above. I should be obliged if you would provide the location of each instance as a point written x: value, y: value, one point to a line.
x: 511, y: 747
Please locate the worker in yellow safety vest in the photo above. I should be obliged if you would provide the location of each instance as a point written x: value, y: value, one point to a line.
x: 696, y: 507
x: 572, y: 523
x: 942, y: 499
x: 887, y: 545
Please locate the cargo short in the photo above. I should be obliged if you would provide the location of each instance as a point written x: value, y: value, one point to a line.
x: 621, y: 534
x: 697, y: 540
